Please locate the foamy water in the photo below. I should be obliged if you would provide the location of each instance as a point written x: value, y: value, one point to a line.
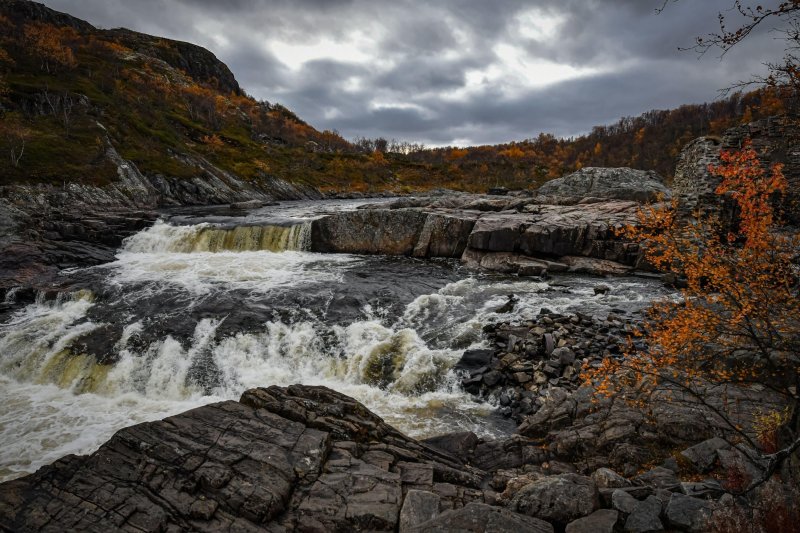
x: 195, y: 322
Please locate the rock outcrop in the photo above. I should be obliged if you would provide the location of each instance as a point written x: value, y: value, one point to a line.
x: 775, y: 139
x: 605, y: 184
x: 393, y: 232
x: 296, y: 458
x: 505, y: 234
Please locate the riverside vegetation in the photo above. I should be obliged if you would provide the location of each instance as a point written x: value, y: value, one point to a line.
x: 529, y: 396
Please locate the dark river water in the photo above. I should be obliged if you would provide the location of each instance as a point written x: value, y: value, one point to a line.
x: 208, y: 303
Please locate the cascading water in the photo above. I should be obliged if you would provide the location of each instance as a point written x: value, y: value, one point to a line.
x: 163, y: 237
x: 192, y: 314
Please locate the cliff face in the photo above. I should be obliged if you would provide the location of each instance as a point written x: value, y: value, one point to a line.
x: 775, y: 139
x: 196, y: 61
x: 199, y: 63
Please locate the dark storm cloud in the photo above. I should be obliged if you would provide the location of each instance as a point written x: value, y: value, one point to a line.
x: 467, y: 71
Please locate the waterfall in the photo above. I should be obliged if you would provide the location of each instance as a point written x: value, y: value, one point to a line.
x: 163, y: 237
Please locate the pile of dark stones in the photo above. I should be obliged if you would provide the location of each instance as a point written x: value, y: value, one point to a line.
x: 526, y: 362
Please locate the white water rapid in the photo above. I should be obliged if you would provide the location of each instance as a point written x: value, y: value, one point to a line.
x: 192, y: 314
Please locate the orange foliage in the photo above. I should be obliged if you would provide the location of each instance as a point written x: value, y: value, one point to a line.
x: 738, y: 321
x: 456, y: 153
x: 52, y: 44
x: 213, y: 142
x: 513, y: 152
x: 378, y: 158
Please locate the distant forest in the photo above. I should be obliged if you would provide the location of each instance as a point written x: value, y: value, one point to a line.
x: 651, y: 141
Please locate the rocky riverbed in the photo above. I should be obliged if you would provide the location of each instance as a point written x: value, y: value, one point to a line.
x: 309, y: 459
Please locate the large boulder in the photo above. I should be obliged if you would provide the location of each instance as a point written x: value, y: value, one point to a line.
x: 392, y: 232
x: 688, y: 514
x: 560, y: 499
x: 645, y: 517
x: 606, y: 184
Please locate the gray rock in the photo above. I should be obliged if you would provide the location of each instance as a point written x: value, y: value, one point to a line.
x: 607, y: 183
x: 605, y: 478
x: 294, y: 458
x: 564, y: 355
x: 602, y: 521
x: 530, y: 268
x: 549, y: 343
x: 602, y: 289
x: 492, y: 378
x: 702, y: 456
x: 247, y: 204
x: 623, y: 502
x: 474, y: 359
x: 660, y: 478
x: 513, y: 452
x: 709, y: 488
x: 645, y: 517
x: 461, y: 445
x: 687, y: 513
x: 392, y: 232
x: 559, y: 499
x: 482, y: 518
x: 419, y: 506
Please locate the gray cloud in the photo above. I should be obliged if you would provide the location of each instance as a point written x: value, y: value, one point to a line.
x: 454, y: 70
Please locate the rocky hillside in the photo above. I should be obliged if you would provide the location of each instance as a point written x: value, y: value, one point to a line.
x: 70, y: 92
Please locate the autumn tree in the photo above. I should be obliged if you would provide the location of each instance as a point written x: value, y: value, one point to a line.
x: 52, y: 45
x: 16, y: 136
x: 737, y: 324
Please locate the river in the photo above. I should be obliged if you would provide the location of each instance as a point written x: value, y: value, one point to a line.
x: 207, y: 303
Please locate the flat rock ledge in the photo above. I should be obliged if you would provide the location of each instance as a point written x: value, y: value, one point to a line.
x: 306, y: 458
x: 502, y: 234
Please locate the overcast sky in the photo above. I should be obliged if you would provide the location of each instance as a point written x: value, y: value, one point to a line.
x: 460, y: 72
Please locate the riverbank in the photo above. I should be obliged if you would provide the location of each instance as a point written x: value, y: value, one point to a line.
x: 307, y: 458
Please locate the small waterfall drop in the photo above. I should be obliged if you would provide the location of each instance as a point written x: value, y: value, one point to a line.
x: 205, y: 237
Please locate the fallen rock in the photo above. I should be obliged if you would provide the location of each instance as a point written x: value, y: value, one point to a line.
x: 418, y: 506
x: 702, y: 456
x: 474, y: 359
x: 623, y: 502
x: 602, y: 521
x: 560, y: 499
x: 645, y: 517
x: 460, y: 445
x: 605, y: 478
x: 687, y: 513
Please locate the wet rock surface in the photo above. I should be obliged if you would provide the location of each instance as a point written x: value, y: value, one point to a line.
x: 307, y: 458
x: 537, y: 365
